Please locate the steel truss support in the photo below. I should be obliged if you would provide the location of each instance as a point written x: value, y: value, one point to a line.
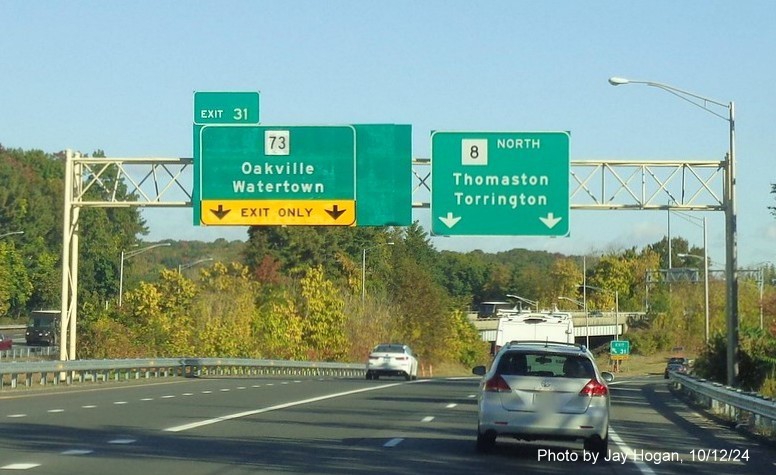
x: 167, y: 182
x: 153, y: 182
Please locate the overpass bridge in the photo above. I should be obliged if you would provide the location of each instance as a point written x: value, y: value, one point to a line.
x: 605, y: 324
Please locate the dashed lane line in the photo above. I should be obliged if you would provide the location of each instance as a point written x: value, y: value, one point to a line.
x: 205, y: 422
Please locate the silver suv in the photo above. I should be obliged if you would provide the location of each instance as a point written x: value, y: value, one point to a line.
x: 544, y: 391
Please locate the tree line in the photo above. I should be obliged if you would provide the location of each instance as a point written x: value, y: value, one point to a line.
x: 328, y: 293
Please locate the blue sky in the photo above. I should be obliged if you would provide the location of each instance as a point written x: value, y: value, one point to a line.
x: 119, y: 76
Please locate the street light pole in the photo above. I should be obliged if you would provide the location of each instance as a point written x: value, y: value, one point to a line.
x: 363, y: 269
x: 731, y: 240
x: 706, y: 285
x: 584, y: 301
x: 126, y: 255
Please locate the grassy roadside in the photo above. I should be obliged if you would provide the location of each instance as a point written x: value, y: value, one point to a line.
x: 636, y: 365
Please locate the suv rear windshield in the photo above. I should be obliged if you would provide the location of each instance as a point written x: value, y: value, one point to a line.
x: 388, y: 349
x: 526, y: 363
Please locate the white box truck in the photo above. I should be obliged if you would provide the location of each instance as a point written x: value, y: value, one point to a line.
x: 557, y: 326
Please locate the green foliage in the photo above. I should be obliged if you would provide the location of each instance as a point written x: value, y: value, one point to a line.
x: 756, y: 363
x: 648, y: 342
x: 465, y: 345
x: 278, y: 327
x: 224, y: 312
x: 424, y: 309
x: 323, y: 318
x: 15, y: 285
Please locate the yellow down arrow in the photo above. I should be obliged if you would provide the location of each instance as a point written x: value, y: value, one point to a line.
x: 278, y: 212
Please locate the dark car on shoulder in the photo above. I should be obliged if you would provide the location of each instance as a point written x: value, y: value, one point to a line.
x: 676, y: 364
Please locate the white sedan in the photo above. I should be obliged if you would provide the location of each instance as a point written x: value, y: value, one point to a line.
x: 392, y: 360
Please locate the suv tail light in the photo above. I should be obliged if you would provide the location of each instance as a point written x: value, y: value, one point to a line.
x: 497, y: 384
x: 594, y: 388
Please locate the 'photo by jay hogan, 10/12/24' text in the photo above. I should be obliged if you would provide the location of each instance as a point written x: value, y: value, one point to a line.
x: 644, y: 456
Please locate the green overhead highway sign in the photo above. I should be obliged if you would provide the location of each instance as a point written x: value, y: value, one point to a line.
x: 500, y: 183
x: 277, y: 175
x: 224, y: 195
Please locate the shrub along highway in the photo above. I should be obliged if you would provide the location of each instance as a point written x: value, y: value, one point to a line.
x: 246, y: 425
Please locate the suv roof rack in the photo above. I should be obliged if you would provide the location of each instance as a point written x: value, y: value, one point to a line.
x: 547, y: 343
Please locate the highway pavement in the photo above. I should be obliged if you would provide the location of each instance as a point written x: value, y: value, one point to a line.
x: 241, y: 425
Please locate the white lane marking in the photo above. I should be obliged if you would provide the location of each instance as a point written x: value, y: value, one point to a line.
x: 240, y: 388
x: 19, y: 466
x: 187, y: 394
x: 77, y: 452
x: 471, y: 396
x: 451, y: 405
x: 88, y: 406
x: 427, y: 419
x: 207, y: 392
x: 225, y: 390
x: 393, y: 442
x: 168, y: 396
x: 256, y: 386
x: 119, y: 403
x: 147, y: 399
x: 643, y: 467
x: 122, y: 441
x: 54, y: 411
x: 16, y: 416
x: 238, y: 415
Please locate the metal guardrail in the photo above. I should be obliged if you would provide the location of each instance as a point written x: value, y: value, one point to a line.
x: 43, y: 373
x: 751, y: 411
x: 27, y: 352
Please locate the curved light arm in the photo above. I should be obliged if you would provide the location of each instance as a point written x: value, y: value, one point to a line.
x: 577, y: 302
x: 681, y: 94
x: 532, y: 303
x: 127, y: 255
x: 599, y: 289
x: 192, y: 264
x: 12, y: 233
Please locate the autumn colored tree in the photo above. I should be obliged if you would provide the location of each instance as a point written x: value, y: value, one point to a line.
x: 323, y: 317
x: 223, y: 313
